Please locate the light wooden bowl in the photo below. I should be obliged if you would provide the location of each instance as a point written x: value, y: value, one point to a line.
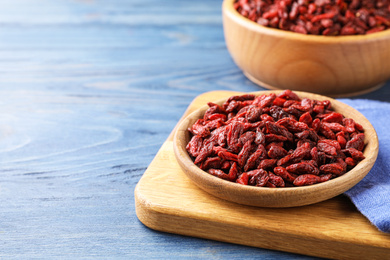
x: 277, y: 197
x: 332, y: 66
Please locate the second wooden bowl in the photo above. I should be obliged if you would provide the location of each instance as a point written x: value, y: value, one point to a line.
x: 327, y: 65
x: 277, y: 197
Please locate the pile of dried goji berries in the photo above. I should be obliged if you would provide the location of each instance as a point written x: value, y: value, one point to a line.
x: 275, y: 140
x: 319, y: 17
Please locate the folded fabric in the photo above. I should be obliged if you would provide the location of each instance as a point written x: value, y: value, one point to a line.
x: 371, y: 196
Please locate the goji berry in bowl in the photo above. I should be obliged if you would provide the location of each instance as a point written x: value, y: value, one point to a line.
x: 276, y: 148
x: 332, y: 65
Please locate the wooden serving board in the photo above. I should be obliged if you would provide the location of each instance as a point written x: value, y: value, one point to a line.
x: 166, y: 200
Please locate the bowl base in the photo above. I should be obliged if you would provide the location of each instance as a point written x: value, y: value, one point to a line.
x: 339, y: 95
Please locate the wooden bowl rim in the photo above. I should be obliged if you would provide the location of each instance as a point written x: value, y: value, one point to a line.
x: 228, y: 9
x: 352, y: 177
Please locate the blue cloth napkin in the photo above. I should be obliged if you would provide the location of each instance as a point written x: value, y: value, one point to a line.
x: 371, y: 196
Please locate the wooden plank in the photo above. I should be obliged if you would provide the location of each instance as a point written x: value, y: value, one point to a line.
x: 166, y: 200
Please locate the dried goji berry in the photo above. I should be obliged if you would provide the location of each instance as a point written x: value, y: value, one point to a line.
x: 243, y: 179
x: 225, y: 165
x: 310, y: 179
x: 212, y: 162
x: 328, y: 146
x: 306, y: 118
x: 355, y: 154
x: 332, y: 168
x: 275, y: 180
x: 225, y: 155
x: 195, y: 145
x: 333, y: 118
x: 349, y: 125
x: 266, y: 118
x: 219, y: 173
x: 357, y: 142
x: 267, y: 164
x: 247, y: 136
x: 260, y: 137
x: 232, y: 106
x: 350, y: 162
x: 273, y: 128
x: 278, y: 112
x: 245, y: 152
x: 258, y: 177
x: 264, y: 100
x: 233, y: 172
x: 315, y: 125
x: 275, y: 138
x: 326, y: 131
x: 214, y: 109
x: 255, y: 158
x: 282, y: 172
x: 303, y: 168
x: 241, y: 98
x: 206, y: 151
x: 276, y: 152
x: 253, y: 113
x: 292, y: 124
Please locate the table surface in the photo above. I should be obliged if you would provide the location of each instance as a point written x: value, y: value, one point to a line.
x: 89, y: 91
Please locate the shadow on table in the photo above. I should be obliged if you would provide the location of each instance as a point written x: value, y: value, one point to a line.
x: 382, y: 94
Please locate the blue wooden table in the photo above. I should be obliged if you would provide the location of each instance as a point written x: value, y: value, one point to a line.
x: 89, y: 91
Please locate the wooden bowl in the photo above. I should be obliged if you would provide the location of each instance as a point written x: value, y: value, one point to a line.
x: 277, y: 197
x: 328, y: 65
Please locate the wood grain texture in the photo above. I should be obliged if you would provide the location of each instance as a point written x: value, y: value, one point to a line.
x: 89, y: 92
x: 167, y: 200
x: 327, y: 65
